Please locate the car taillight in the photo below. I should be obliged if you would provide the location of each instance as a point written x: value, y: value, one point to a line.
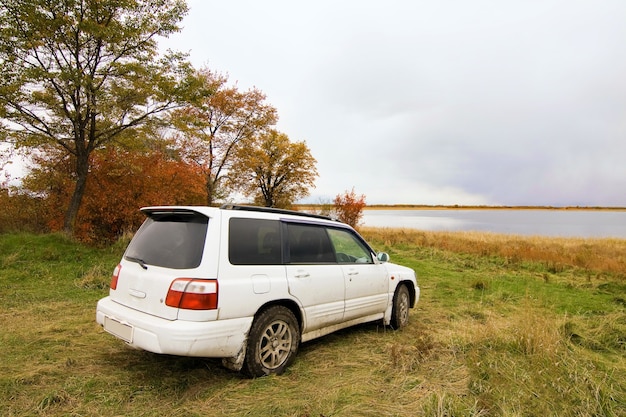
x: 115, y: 277
x: 192, y: 294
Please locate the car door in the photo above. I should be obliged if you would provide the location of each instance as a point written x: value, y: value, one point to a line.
x: 252, y: 272
x: 314, y: 276
x: 367, y: 285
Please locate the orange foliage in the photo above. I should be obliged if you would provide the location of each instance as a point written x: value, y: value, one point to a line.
x: 119, y: 183
x: 349, y: 207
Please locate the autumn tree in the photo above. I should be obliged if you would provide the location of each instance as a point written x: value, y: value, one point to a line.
x: 274, y: 170
x: 120, y: 182
x: 349, y: 207
x: 78, y: 74
x: 212, y: 130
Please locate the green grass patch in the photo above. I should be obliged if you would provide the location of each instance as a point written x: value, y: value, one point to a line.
x: 493, y: 335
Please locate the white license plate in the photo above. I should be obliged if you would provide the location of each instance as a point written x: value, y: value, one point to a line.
x: 119, y: 329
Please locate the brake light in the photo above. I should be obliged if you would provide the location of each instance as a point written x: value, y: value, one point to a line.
x: 192, y: 294
x: 115, y: 277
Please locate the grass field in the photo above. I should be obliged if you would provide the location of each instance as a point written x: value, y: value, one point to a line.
x: 507, y: 326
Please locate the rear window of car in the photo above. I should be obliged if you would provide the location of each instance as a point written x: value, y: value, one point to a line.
x: 170, y: 240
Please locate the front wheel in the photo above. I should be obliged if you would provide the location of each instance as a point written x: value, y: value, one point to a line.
x: 401, y: 305
x: 272, y: 342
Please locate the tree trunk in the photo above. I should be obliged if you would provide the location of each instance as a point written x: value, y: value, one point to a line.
x: 210, y: 191
x: 82, y: 169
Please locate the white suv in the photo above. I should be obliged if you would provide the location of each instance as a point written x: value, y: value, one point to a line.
x: 248, y: 284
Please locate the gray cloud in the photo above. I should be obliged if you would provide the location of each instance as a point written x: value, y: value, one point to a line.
x: 450, y: 102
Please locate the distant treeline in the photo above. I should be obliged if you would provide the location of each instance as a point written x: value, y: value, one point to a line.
x: 305, y: 207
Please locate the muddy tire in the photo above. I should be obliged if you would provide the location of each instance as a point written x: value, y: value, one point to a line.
x: 401, y: 306
x: 272, y: 342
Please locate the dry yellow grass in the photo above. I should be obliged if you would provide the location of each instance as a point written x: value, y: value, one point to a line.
x: 593, y: 255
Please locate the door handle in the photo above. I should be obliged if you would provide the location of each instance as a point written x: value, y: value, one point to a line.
x: 302, y: 274
x: 353, y: 272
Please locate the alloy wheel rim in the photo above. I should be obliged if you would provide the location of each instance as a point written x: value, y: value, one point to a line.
x: 404, y: 308
x: 275, y: 344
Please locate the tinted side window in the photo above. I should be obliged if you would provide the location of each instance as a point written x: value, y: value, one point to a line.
x: 349, y: 248
x: 254, y: 242
x: 173, y: 240
x: 309, y: 244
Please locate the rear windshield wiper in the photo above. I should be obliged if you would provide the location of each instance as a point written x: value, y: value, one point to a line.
x: 139, y: 261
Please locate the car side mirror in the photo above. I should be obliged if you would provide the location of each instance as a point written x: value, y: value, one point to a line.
x: 382, y: 257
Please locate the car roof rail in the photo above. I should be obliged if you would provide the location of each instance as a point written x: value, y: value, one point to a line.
x: 274, y: 210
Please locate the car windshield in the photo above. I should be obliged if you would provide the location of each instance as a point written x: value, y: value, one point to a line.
x: 172, y: 240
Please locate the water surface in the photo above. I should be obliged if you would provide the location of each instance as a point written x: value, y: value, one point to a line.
x: 560, y: 223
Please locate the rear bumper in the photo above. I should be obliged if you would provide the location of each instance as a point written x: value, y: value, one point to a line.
x: 213, y: 339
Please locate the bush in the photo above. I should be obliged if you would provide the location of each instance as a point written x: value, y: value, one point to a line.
x: 21, y: 212
x: 349, y: 207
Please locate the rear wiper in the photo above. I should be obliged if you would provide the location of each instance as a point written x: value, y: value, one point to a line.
x: 139, y: 261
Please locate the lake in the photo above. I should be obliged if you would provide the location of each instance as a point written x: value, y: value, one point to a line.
x: 558, y: 223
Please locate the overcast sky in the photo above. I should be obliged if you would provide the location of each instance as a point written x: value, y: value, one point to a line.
x: 435, y: 102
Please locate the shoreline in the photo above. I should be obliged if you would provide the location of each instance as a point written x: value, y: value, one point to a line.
x: 464, y: 207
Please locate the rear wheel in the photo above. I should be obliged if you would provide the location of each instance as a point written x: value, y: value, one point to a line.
x: 272, y: 343
x: 401, y: 306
